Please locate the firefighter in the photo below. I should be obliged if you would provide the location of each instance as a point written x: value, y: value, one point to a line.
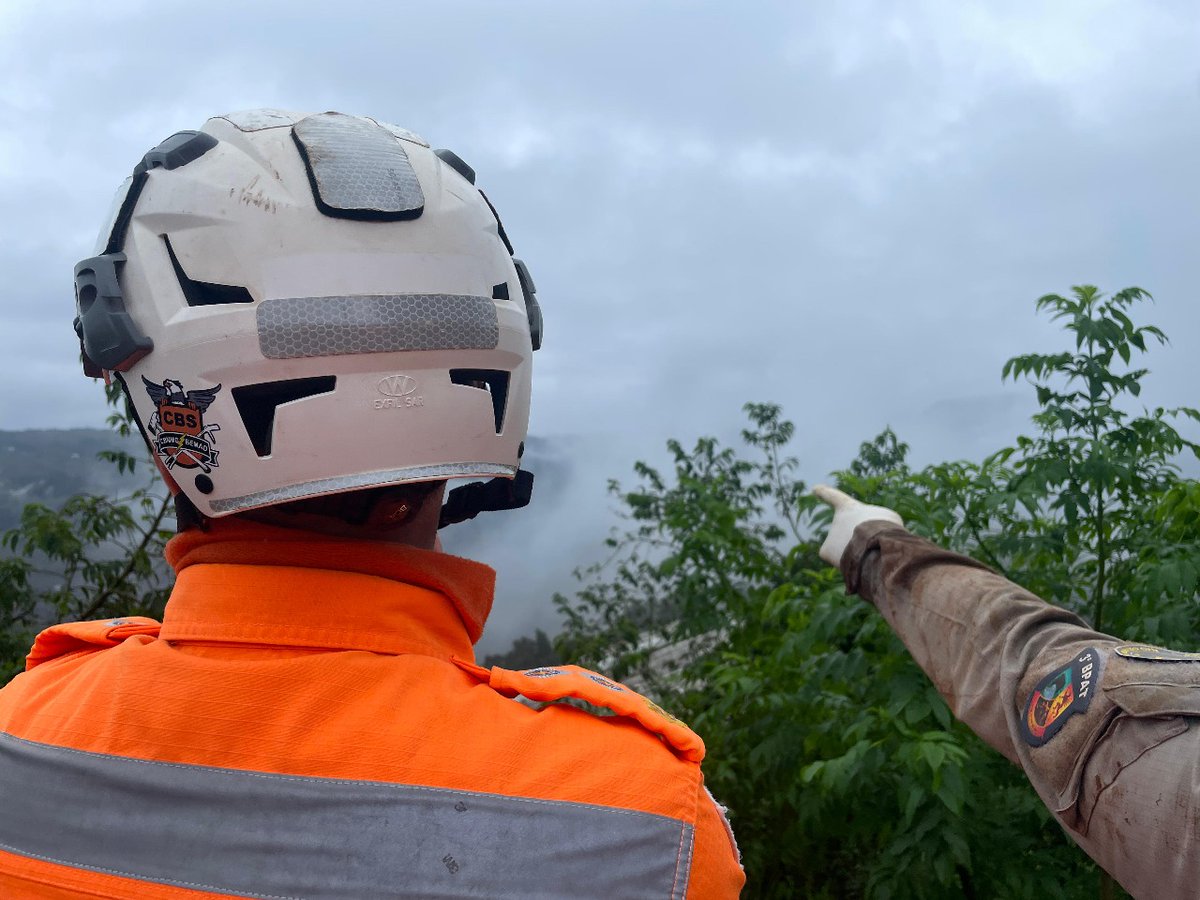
x: 317, y: 321
x: 1105, y: 729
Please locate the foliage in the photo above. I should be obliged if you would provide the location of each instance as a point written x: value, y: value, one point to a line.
x: 526, y: 653
x: 91, y: 557
x: 845, y: 774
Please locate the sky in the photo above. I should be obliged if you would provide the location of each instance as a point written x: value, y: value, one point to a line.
x: 846, y: 208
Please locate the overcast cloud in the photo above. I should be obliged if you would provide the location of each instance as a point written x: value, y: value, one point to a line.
x: 847, y: 208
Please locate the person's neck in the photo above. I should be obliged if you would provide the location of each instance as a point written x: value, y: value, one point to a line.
x: 418, y: 529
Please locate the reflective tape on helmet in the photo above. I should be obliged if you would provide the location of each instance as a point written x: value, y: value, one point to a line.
x: 358, y: 170
x: 297, y: 327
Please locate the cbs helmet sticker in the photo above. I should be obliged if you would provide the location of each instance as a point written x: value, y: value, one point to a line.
x: 180, y: 435
x: 1058, y: 696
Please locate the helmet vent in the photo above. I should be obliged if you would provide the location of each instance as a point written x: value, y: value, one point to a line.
x: 494, y: 381
x: 205, y: 293
x: 256, y: 403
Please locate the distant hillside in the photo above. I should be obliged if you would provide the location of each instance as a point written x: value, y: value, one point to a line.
x: 49, y: 466
x: 534, y: 549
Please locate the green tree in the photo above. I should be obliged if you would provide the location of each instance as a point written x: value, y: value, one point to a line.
x: 93, y: 557
x: 844, y: 771
x: 845, y: 774
x: 1101, y: 471
x: 526, y: 653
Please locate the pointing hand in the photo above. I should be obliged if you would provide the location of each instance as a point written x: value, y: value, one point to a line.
x: 848, y: 514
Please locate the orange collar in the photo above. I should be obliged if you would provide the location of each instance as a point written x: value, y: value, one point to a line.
x: 245, y: 582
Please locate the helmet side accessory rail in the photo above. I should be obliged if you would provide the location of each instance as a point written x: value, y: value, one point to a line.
x: 108, y: 336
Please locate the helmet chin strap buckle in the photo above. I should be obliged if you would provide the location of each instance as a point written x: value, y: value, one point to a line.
x: 470, y: 500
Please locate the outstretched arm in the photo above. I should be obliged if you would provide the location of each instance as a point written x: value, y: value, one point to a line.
x: 1103, y: 735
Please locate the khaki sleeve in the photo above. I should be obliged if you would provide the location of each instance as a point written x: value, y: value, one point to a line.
x: 1105, y: 737
x: 716, y: 872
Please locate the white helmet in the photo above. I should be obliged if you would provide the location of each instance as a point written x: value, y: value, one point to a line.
x: 302, y: 305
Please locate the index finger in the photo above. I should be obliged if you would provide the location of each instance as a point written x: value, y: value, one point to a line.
x: 831, y: 495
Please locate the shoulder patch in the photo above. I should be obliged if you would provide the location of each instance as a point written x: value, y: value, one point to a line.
x: 549, y: 683
x: 1064, y: 692
x: 70, y: 637
x: 1155, y: 654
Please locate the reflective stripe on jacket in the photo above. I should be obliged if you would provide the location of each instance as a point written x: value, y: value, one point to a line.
x: 308, y: 722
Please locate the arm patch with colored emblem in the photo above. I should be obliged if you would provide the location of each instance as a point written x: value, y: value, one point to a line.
x: 1060, y: 695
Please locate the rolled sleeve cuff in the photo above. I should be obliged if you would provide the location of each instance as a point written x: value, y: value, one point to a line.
x: 864, y: 543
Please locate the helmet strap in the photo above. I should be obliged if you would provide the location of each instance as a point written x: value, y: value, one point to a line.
x: 470, y: 500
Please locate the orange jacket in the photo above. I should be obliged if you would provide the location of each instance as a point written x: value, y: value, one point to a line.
x: 307, y: 721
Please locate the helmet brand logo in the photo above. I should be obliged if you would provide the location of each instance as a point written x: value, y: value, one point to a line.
x: 397, y: 385
x: 399, y: 392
